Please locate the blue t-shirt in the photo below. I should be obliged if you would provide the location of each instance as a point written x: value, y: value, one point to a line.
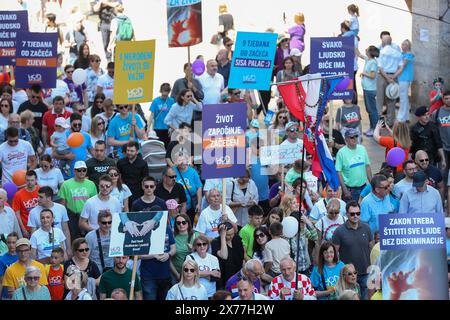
x: 154, y: 269
x: 160, y: 108
x: 191, y: 181
x: 261, y: 181
x: 331, y: 277
x: 367, y: 83
x: 394, y: 201
x: 408, y: 71
x: 80, y: 152
x: 140, y: 205
x: 120, y: 129
x: 5, y: 261
x: 448, y: 250
x: 61, y: 141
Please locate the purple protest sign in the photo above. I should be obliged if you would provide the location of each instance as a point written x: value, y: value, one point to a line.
x: 411, y: 231
x: 36, y: 59
x: 332, y: 56
x: 223, y: 128
x: 11, y: 22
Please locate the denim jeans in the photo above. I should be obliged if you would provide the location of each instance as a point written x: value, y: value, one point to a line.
x: 362, y: 281
x: 371, y: 107
x: 356, y: 192
x: 155, y: 289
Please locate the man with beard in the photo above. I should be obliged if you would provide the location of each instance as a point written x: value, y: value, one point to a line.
x: 35, y: 105
x: 119, y: 277
x: 49, y: 118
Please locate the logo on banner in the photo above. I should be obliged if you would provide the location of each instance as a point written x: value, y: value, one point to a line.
x: 35, y: 78
x: 135, y: 93
x: 249, y: 78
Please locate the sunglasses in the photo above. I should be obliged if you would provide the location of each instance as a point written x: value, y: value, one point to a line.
x: 81, y: 110
x: 352, y: 273
x: 188, y: 97
x: 237, y: 93
x: 76, y: 124
x: 5, y: 105
x: 424, y: 160
x: 83, y: 250
x: 69, y: 71
x: 149, y: 186
x: 284, y: 40
x: 282, y: 118
x: 201, y: 244
x: 358, y: 213
x: 293, y: 130
x: 99, y: 101
x: 189, y: 270
x: 229, y: 44
x: 179, y: 223
x: 385, y: 188
x: 105, y: 186
x: 33, y: 278
x: 353, y: 137
x: 171, y: 177
x: 106, y: 222
x: 81, y: 170
x: 95, y: 60
x: 333, y: 212
x: 122, y: 107
x: 100, y: 123
x: 35, y: 97
x: 260, y: 235
x: 113, y: 174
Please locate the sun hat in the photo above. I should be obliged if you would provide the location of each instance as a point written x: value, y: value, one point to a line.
x: 393, y: 91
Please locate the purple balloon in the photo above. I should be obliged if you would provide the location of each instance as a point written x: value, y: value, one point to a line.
x: 10, y: 189
x: 343, y: 85
x: 395, y: 157
x: 198, y: 67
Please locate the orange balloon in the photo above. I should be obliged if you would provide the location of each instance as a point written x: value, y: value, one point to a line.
x: 75, y: 140
x: 18, y: 177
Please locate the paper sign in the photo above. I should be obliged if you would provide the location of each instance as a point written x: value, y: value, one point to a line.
x: 11, y: 22
x: 184, y: 22
x: 280, y: 154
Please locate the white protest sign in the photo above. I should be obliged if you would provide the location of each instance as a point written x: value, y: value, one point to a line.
x: 281, y: 154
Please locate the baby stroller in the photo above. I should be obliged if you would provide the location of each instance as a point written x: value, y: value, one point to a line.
x: 154, y: 153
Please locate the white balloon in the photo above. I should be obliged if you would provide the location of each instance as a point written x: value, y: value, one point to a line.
x: 79, y: 76
x: 290, y: 227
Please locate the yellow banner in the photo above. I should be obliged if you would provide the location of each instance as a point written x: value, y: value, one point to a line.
x: 133, y: 71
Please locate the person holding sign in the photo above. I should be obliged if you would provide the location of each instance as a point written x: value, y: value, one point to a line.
x: 188, y: 82
x: 121, y: 127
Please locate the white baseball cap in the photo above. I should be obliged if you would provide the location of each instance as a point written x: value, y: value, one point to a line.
x: 60, y: 121
x: 80, y: 165
x: 295, y: 52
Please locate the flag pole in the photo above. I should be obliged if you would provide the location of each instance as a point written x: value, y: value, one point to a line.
x: 300, y: 215
x: 311, y: 79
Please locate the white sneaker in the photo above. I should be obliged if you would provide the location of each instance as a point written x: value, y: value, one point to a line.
x: 369, y: 133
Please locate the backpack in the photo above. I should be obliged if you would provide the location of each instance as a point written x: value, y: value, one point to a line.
x: 125, y: 30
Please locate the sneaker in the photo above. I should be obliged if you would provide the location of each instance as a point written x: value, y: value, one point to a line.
x: 369, y: 133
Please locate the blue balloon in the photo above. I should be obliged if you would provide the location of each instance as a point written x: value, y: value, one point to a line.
x: 11, y: 190
x: 395, y: 157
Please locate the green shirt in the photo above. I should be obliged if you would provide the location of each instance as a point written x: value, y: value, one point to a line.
x: 77, y: 193
x: 181, y: 241
x: 246, y: 235
x: 351, y: 163
x: 111, y: 280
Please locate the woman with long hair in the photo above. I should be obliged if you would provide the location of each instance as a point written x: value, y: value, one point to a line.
x: 261, y: 236
x: 6, y: 108
x: 96, y: 105
x: 275, y: 215
x: 398, y: 137
x: 278, y: 127
x: 189, y: 286
x: 183, y: 109
x: 324, y: 276
x: 32, y: 290
x: 288, y: 72
x: 48, y: 175
x: 83, y: 57
x: 348, y: 280
x: 288, y: 205
x: 120, y: 190
x: 184, y: 238
x: 98, y: 131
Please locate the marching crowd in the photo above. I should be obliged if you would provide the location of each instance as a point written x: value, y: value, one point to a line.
x: 56, y: 229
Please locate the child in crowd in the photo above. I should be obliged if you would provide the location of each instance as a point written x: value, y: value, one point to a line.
x: 58, y: 141
x: 435, y: 95
x: 275, y: 250
x: 255, y: 215
x: 55, y: 274
x: 348, y: 116
x: 353, y: 24
x: 159, y: 109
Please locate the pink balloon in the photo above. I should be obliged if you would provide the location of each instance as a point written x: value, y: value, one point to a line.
x: 343, y: 85
x: 395, y: 157
x: 198, y: 67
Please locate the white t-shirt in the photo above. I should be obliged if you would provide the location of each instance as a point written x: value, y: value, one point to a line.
x: 320, y: 209
x: 210, y: 219
x: 121, y: 195
x: 326, y: 226
x: 83, y: 295
x: 107, y: 83
x: 209, y: 263
x: 14, y: 158
x: 8, y: 222
x: 180, y: 292
x: 59, y: 216
x: 312, y: 181
x: 62, y: 89
x: 298, y: 144
x: 40, y: 241
x: 256, y: 296
x: 94, y: 205
x: 212, y: 87
x: 53, y: 178
x: 274, y: 251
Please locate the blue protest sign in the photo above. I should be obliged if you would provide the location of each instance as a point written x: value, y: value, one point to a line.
x: 36, y: 59
x: 11, y: 22
x: 252, y: 64
x: 223, y: 127
x: 332, y: 56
